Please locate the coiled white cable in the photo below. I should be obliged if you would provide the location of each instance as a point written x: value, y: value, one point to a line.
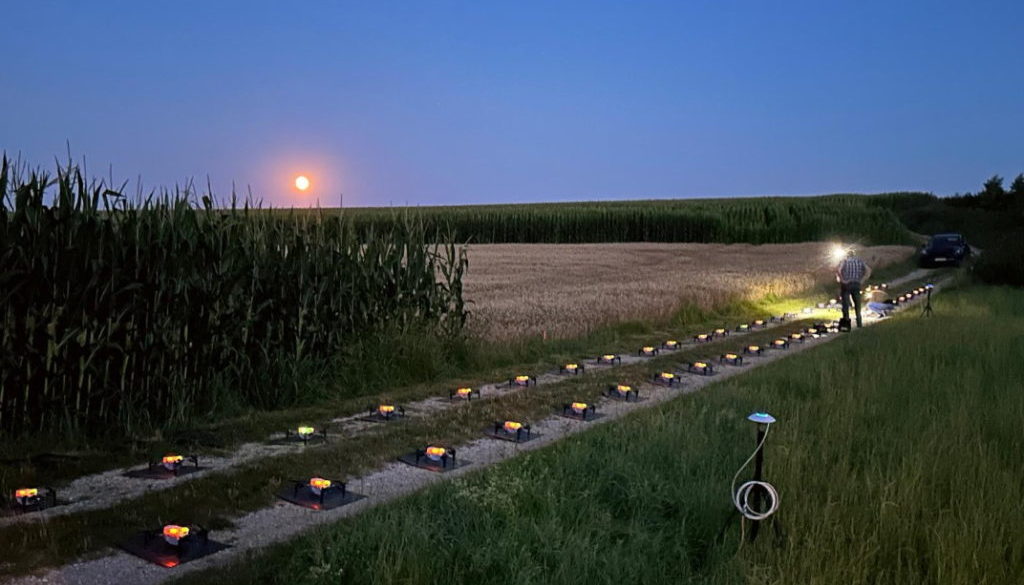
x: 741, y: 496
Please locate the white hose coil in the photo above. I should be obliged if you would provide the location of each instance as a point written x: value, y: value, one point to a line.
x: 741, y: 496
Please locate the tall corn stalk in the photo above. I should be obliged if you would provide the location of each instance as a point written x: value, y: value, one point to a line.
x: 121, y: 315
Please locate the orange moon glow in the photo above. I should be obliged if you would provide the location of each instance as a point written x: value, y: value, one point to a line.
x: 302, y: 182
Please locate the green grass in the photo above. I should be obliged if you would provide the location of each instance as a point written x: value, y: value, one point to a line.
x: 897, y: 456
x: 215, y: 500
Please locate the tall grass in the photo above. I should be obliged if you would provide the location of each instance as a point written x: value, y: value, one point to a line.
x: 121, y: 316
x: 755, y: 221
x: 896, y: 454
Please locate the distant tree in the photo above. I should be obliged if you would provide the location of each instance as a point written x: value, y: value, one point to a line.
x: 993, y: 195
x: 994, y: 187
x: 1017, y: 186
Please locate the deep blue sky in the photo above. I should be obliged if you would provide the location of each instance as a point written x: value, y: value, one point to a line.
x: 436, y: 102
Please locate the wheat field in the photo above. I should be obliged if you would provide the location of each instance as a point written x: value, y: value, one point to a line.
x: 560, y: 290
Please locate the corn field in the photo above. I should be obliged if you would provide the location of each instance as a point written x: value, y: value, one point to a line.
x: 865, y: 219
x: 121, y: 315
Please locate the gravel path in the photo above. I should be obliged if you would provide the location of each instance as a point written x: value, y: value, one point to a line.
x: 383, y: 485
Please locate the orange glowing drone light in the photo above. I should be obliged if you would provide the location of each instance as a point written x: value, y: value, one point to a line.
x: 667, y: 375
x: 578, y: 406
x: 720, y: 331
x: 647, y: 349
x: 319, y: 483
x: 173, y: 533
x: 796, y: 336
x: 522, y: 379
x: 700, y: 365
x: 26, y: 493
x: 780, y: 343
x: 572, y: 367
x: 464, y: 391
x: 436, y: 452
x: 753, y: 348
x: 623, y: 388
x: 759, y: 322
x: 172, y: 459
x: 701, y: 336
x: 670, y: 344
x: 512, y: 426
x: 386, y: 409
x: 731, y: 356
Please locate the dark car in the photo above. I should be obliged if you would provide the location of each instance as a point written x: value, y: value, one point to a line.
x: 944, y: 250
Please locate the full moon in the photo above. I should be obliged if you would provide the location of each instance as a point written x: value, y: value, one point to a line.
x: 302, y: 182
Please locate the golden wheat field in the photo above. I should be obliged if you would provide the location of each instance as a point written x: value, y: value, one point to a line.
x: 559, y: 290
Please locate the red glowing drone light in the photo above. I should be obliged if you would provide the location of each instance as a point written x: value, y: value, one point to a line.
x: 522, y: 380
x: 702, y: 337
x: 622, y: 392
x: 780, y: 343
x: 173, y: 463
x: 666, y: 379
x: 702, y: 368
x: 579, y: 411
x: 174, y: 533
x: 24, y: 494
x: 647, y: 350
x: 670, y: 344
x: 753, y: 350
x: 172, y: 545
x: 609, y: 359
x: 463, y: 393
x: 31, y: 500
x: 731, y: 358
x: 574, y: 369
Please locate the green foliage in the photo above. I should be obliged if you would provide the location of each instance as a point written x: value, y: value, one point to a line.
x: 1003, y: 261
x: 896, y: 456
x: 756, y: 221
x: 125, y: 317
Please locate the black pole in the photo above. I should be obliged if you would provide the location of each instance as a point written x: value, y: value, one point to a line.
x: 758, y: 469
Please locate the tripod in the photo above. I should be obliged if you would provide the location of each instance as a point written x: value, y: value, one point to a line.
x: 928, y: 311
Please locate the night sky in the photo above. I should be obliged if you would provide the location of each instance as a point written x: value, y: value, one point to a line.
x: 437, y: 102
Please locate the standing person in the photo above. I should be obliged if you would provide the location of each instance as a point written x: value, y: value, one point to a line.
x: 850, y: 273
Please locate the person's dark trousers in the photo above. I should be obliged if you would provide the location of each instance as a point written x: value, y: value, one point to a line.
x: 847, y: 292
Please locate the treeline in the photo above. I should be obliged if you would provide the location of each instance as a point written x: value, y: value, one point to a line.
x: 992, y: 219
x: 118, y: 317
x: 993, y: 195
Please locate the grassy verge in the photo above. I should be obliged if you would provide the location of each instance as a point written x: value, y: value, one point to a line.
x: 896, y: 454
x: 216, y: 499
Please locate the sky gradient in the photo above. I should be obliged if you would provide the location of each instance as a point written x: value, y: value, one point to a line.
x: 444, y: 102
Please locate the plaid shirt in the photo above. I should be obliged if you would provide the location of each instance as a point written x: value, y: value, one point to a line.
x: 852, y: 270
